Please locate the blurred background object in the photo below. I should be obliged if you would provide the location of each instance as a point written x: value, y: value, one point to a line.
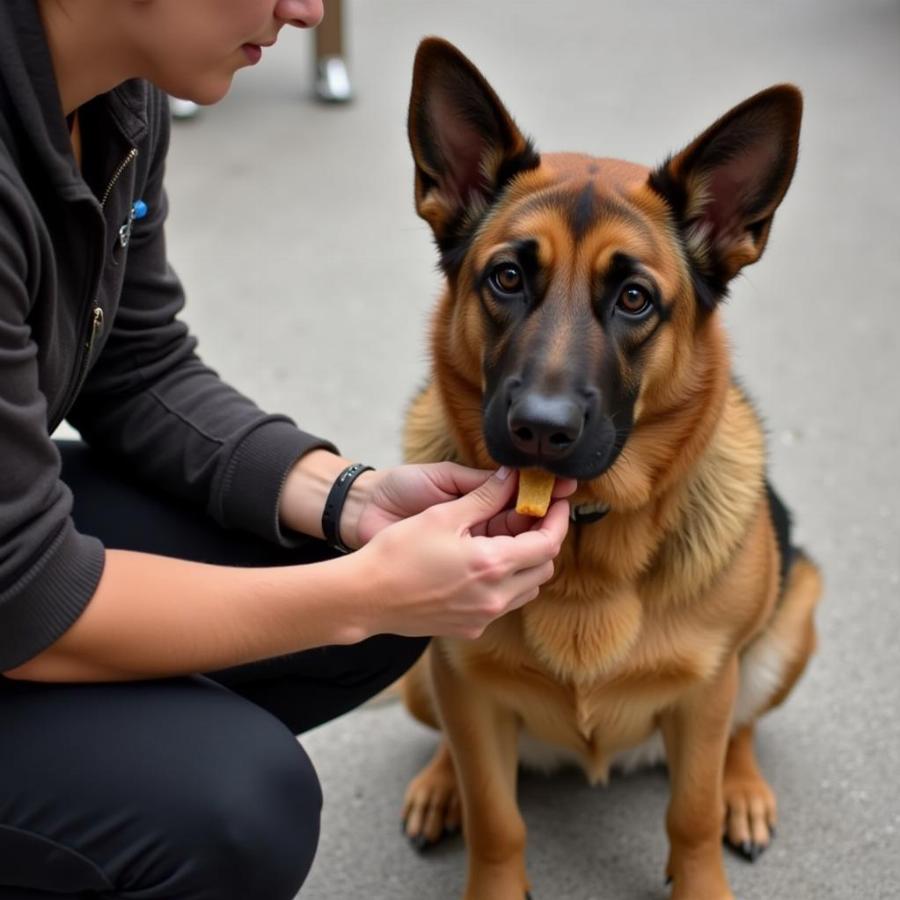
x: 183, y: 109
x: 332, y: 78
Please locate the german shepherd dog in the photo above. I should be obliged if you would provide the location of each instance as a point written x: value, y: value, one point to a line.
x: 579, y: 332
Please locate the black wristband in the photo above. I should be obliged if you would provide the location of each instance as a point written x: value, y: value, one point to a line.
x: 334, y: 505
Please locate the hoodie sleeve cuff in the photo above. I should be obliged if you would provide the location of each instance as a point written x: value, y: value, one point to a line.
x: 256, y: 473
x: 45, y: 603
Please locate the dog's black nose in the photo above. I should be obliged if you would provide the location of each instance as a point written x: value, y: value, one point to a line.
x: 545, y: 427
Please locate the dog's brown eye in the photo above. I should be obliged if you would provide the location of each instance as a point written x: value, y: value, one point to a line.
x: 634, y: 300
x: 507, y: 278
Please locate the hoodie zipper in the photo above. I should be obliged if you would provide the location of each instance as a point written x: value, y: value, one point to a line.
x: 96, y: 315
x: 132, y: 156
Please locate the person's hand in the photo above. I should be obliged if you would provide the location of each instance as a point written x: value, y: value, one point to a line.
x: 454, y: 568
x: 383, y: 498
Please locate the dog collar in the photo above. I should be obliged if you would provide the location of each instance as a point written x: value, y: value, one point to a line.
x: 588, y: 512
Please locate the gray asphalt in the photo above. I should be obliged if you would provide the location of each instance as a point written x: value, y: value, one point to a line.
x: 311, y: 280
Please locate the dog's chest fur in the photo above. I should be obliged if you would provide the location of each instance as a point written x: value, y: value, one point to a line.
x: 614, y: 668
x: 589, y: 665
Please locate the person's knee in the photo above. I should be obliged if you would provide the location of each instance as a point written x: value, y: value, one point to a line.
x: 265, y: 823
x: 242, y: 823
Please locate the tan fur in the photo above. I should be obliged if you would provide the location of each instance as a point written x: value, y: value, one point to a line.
x: 650, y: 603
x: 659, y: 614
x: 427, y: 436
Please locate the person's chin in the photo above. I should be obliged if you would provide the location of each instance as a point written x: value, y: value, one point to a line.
x: 209, y: 93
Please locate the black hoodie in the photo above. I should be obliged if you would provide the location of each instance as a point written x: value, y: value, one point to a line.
x: 88, y: 332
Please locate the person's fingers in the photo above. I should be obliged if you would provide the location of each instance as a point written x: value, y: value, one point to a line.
x: 539, y: 575
x: 542, y: 541
x: 533, y: 546
x: 526, y: 585
x: 556, y: 523
x: 508, y: 522
x: 454, y: 480
x: 564, y: 487
x: 488, y: 499
x: 523, y: 598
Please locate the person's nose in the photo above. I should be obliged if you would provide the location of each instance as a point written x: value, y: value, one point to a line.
x: 300, y: 13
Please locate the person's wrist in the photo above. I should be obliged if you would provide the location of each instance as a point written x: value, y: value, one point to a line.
x: 305, y: 489
x: 357, y: 499
x: 361, y: 580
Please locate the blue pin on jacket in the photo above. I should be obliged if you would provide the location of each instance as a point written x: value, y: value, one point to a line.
x: 139, y: 209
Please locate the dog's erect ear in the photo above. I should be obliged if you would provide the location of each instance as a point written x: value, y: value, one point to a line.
x: 725, y: 186
x: 465, y: 144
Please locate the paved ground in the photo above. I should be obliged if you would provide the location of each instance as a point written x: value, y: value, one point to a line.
x: 311, y: 279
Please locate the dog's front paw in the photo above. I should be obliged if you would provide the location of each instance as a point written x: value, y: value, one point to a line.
x: 750, y: 812
x: 431, y: 808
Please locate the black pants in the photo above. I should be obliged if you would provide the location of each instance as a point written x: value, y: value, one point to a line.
x: 185, y: 788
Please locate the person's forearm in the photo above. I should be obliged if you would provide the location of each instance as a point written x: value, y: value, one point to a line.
x: 152, y: 616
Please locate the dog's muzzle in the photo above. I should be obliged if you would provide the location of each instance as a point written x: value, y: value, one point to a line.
x: 565, y: 431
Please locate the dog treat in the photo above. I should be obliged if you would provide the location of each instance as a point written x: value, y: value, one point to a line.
x: 535, y: 488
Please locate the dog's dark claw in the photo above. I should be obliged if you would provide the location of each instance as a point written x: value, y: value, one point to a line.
x: 668, y: 880
x: 749, y: 850
x: 420, y: 843
x: 528, y: 896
